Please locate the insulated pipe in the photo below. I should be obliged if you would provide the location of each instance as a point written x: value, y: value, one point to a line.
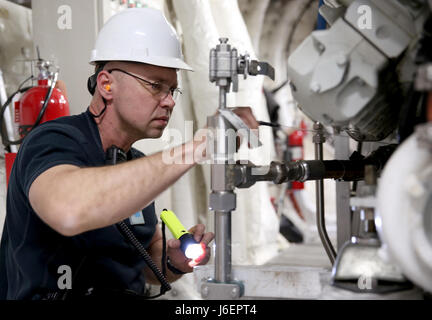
x: 318, y: 140
x: 245, y: 175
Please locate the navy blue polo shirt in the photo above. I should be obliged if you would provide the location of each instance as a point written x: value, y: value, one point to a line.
x: 32, y: 253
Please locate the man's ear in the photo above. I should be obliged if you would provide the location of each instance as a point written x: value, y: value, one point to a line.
x: 104, y: 84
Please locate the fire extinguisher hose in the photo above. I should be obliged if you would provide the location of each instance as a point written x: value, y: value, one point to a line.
x: 41, y: 112
x: 5, y: 138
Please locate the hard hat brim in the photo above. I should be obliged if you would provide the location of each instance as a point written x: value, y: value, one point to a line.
x: 170, y: 62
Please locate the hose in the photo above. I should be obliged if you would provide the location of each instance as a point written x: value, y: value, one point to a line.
x: 6, y: 140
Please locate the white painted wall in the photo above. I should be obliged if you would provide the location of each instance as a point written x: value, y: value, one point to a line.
x: 65, y: 31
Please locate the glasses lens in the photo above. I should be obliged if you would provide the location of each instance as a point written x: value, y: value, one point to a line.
x: 175, y: 94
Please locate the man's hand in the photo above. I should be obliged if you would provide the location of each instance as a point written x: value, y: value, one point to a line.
x: 177, y: 257
x: 200, y: 138
x: 245, y: 113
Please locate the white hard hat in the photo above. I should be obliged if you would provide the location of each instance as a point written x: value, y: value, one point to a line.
x: 139, y: 35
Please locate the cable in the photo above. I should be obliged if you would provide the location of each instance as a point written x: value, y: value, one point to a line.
x: 100, y: 113
x: 129, y: 235
x: 165, y: 286
x: 326, y: 133
x: 5, y: 139
x: 164, y: 259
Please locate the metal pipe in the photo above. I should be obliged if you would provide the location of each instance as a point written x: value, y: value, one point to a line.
x: 318, y: 140
x: 222, y: 199
x: 222, y: 98
x: 223, y: 246
x: 245, y: 175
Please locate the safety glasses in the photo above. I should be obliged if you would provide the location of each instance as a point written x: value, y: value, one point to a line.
x: 157, y: 89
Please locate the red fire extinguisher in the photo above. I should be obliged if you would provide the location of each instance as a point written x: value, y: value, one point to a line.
x: 30, y: 113
x: 296, y: 148
x: 295, y: 145
x: 41, y: 103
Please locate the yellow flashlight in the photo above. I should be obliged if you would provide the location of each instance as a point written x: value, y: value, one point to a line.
x: 191, y: 248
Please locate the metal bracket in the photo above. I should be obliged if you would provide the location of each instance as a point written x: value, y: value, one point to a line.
x: 239, y: 124
x: 211, y: 290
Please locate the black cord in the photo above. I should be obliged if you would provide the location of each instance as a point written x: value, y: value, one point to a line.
x: 165, y: 286
x: 5, y: 139
x: 164, y: 258
x: 129, y: 235
x: 359, y: 150
x: 100, y: 113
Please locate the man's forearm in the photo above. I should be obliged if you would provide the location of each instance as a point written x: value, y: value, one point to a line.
x: 93, y: 198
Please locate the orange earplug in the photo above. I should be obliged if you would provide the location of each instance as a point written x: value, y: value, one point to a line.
x: 108, y: 87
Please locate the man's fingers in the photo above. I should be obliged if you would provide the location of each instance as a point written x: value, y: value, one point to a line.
x: 247, y: 116
x: 197, y: 231
x: 173, y: 243
x: 207, y: 238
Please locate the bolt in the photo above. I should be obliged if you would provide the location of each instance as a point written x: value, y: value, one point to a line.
x: 317, y: 126
x: 315, y: 87
x: 234, y: 292
x: 342, y: 60
x: 320, y: 47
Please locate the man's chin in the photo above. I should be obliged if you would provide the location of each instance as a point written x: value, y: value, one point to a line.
x: 155, y: 133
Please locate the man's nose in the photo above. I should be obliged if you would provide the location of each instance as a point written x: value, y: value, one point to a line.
x: 168, y: 102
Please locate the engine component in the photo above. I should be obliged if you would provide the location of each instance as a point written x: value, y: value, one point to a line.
x: 245, y: 175
x: 404, y: 207
x: 350, y: 75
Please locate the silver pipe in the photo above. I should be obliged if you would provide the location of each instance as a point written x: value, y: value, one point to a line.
x: 223, y: 246
x: 318, y: 140
x: 222, y: 98
x: 222, y: 199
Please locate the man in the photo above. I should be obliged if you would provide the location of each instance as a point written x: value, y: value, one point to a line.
x: 64, y: 204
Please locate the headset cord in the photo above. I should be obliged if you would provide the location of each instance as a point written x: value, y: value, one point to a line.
x: 165, y: 286
x: 127, y: 232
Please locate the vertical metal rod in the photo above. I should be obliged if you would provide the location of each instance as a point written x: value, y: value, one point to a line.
x: 318, y: 140
x: 222, y: 98
x: 223, y: 246
x: 343, y: 192
x: 222, y: 218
